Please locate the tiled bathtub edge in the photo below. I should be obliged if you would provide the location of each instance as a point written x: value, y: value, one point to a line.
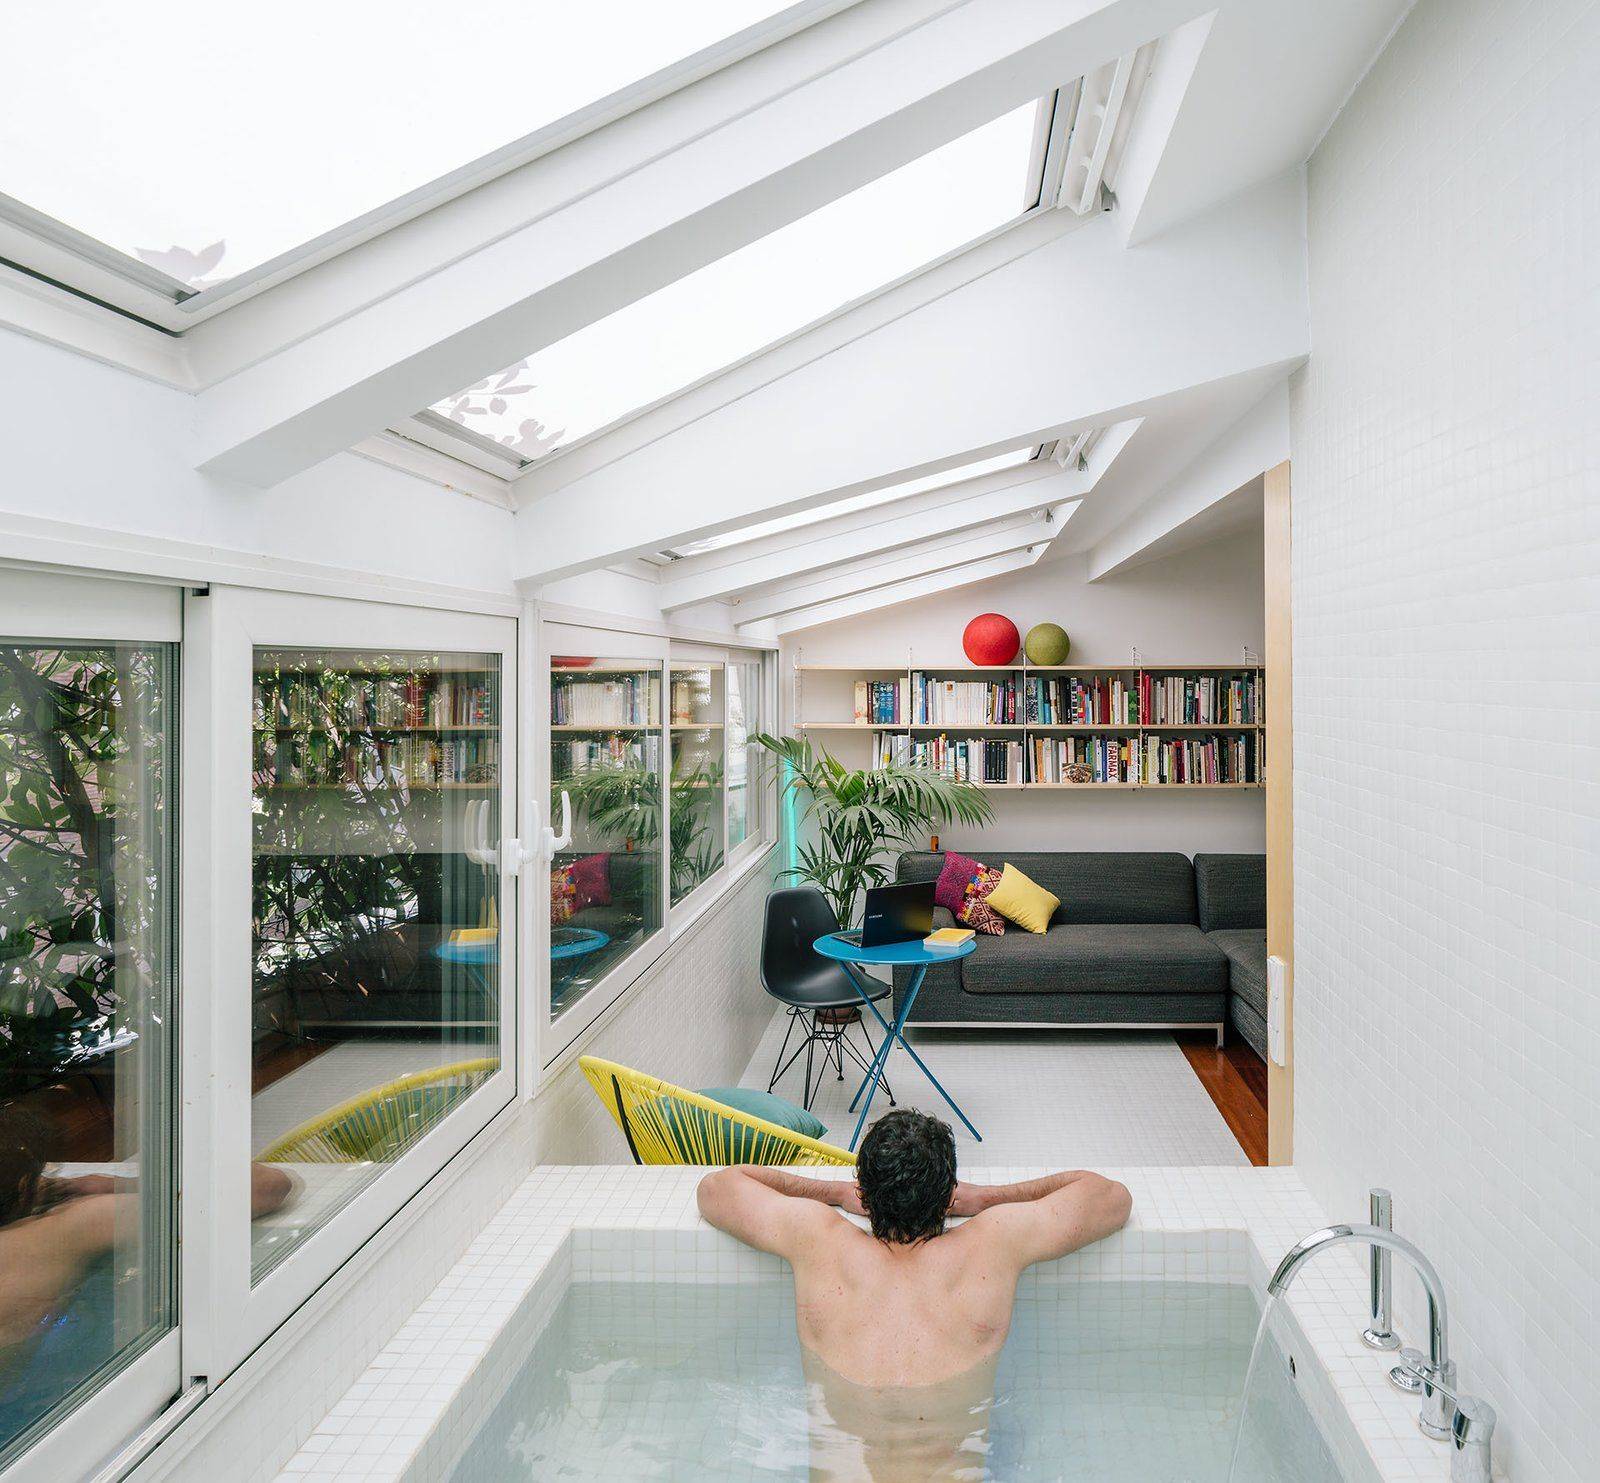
x: 410, y: 1416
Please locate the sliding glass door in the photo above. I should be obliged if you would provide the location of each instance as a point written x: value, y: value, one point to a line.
x: 88, y: 1113
x: 361, y: 981
x: 608, y: 776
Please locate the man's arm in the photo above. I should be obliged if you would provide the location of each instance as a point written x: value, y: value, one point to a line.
x: 1040, y: 1219
x: 771, y: 1209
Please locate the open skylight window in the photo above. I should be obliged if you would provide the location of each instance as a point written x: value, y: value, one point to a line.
x: 887, y: 495
x: 205, y: 140
x: 763, y: 292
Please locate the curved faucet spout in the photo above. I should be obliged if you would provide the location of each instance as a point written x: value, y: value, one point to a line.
x: 1438, y: 1321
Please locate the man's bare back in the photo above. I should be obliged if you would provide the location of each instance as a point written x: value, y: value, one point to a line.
x: 902, y: 1313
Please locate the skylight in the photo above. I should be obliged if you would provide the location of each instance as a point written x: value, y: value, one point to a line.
x: 1015, y: 459
x: 204, y: 140
x: 756, y: 295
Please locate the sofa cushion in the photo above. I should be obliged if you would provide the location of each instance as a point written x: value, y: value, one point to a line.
x: 1113, y: 887
x: 1231, y: 891
x: 1023, y: 901
x: 955, y: 876
x: 1156, y: 958
x: 1246, y: 948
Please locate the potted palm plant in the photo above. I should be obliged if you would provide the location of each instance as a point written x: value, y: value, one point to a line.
x: 859, y: 818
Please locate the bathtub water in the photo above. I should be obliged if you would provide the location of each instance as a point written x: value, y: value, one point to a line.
x: 1116, y: 1382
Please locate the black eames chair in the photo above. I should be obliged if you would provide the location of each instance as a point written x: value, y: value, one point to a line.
x: 817, y: 991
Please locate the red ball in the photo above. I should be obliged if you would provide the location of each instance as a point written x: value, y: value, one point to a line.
x: 991, y: 639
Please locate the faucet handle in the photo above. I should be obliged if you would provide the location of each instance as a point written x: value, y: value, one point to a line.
x: 1471, y: 1435
x: 1407, y: 1375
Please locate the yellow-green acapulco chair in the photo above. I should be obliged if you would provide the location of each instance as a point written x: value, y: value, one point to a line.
x: 380, y: 1124
x: 665, y: 1124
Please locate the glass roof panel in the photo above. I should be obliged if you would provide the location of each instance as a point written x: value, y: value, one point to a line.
x: 759, y: 294
x: 1014, y: 459
x: 206, y: 139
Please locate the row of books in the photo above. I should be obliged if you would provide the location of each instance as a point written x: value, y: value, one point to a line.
x: 336, y: 699
x: 881, y: 702
x: 320, y: 759
x: 616, y: 700
x: 1104, y: 700
x: 1106, y: 759
x: 574, y: 756
x: 968, y: 760
x: 692, y: 700
x: 1199, y: 700
x: 937, y: 702
x: 1211, y: 759
x: 1110, y: 759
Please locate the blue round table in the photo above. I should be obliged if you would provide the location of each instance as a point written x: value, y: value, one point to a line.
x: 915, y: 956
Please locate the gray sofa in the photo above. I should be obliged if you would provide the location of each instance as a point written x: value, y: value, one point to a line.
x: 1139, y: 939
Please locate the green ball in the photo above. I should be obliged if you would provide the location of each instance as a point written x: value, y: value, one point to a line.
x: 1047, y: 643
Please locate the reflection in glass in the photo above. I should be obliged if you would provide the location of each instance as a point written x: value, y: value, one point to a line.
x: 87, y: 1194
x: 744, y: 720
x: 697, y: 775
x: 376, y: 910
x: 605, y: 754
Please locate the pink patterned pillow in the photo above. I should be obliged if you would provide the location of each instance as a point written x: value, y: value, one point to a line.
x: 951, y: 888
x: 591, y: 878
x: 975, y: 909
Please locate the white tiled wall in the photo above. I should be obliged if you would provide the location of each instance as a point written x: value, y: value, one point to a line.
x: 694, y: 1022
x: 1446, y: 438
x: 694, y: 1018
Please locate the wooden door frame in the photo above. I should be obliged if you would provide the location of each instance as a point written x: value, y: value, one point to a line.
x: 1280, y: 796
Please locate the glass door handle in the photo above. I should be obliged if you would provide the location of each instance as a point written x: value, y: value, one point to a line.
x: 554, y: 841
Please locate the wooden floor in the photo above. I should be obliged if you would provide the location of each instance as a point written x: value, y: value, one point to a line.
x: 1235, y: 1077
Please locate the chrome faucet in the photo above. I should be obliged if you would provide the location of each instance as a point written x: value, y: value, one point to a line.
x: 1464, y: 1421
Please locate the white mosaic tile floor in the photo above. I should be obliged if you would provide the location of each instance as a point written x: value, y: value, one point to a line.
x: 418, y: 1404
x: 1067, y: 1098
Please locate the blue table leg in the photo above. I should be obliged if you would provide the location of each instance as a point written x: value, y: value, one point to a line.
x: 893, y: 1033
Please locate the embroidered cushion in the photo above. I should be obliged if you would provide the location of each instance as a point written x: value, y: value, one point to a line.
x: 591, y: 877
x: 563, y: 895
x: 975, y: 909
x: 950, y: 890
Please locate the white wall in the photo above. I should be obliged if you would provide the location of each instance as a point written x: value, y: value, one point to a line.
x: 1447, y: 693
x: 94, y: 450
x: 1201, y: 606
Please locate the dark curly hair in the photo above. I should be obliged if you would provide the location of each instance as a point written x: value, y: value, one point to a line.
x: 906, y: 1171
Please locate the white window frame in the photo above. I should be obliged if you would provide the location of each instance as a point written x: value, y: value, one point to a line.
x: 694, y: 656
x: 37, y: 606
x: 757, y: 814
x: 551, y: 1039
x: 227, y: 1316
x: 551, y: 1045
x: 87, y: 267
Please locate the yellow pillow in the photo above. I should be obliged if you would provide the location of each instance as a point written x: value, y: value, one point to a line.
x: 1022, y: 901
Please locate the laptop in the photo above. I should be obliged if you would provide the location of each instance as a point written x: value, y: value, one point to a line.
x: 895, y: 914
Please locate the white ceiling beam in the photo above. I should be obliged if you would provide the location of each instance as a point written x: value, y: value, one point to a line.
x: 1257, y: 442
x: 1078, y: 333
x: 968, y: 505
x: 948, y: 510
x: 871, y: 572
x: 885, y: 597
x: 757, y: 169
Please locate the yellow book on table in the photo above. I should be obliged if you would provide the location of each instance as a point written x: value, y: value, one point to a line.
x: 947, y: 939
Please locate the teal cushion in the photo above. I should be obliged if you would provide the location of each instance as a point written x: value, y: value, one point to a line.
x: 769, y: 1108
x: 695, y: 1130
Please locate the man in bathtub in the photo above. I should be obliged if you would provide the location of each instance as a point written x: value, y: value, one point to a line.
x: 901, y: 1329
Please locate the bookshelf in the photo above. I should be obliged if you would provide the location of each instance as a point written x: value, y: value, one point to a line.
x: 326, y: 721
x: 1024, y: 727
